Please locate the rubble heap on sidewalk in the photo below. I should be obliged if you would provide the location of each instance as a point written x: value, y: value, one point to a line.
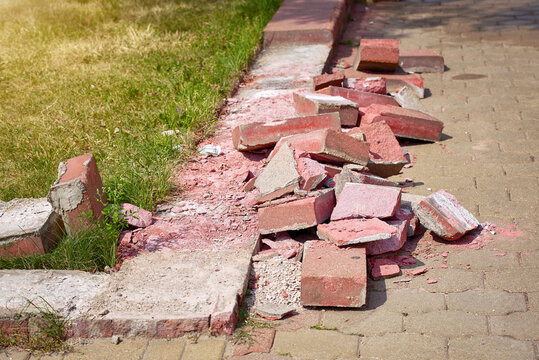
x: 327, y: 173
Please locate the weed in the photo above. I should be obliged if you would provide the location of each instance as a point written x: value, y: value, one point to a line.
x: 350, y: 43
x: 322, y: 327
x: 248, y: 326
x: 287, y: 354
x: 49, y: 333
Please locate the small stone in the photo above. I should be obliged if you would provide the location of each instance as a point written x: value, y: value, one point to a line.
x: 115, y: 339
x: 383, y: 267
x: 273, y: 311
x: 136, y: 216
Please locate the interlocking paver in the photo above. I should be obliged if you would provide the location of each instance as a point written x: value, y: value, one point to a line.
x: 514, y: 280
x: 489, y: 348
x: 483, y: 259
x: 486, y: 301
x: 533, y: 301
x: 316, y: 344
x: 207, y: 349
x: 445, y: 323
x: 403, y: 346
x: 519, y: 325
x: 449, y: 280
x: 103, y: 349
x: 406, y: 300
x: 367, y: 323
x: 164, y: 350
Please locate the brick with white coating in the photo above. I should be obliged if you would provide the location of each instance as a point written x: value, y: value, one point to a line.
x: 355, y: 231
x: 312, y: 173
x: 366, y: 201
x: 392, y: 244
x: 441, y: 213
x: 316, y: 103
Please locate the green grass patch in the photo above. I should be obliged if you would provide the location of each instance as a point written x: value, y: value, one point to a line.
x: 107, y: 77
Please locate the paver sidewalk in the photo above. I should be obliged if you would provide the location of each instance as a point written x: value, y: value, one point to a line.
x: 485, y: 303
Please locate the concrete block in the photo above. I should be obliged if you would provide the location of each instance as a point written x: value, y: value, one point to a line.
x: 392, y: 244
x: 442, y: 213
x: 298, y: 214
x: 361, y: 98
x: 259, y: 135
x: 377, y: 54
x: 408, y: 99
x: 328, y: 146
x: 312, y: 173
x: 355, y: 231
x: 333, y: 276
x: 78, y: 192
x: 366, y: 201
x: 373, y: 84
x: 386, y: 156
x: 28, y: 226
x: 279, y: 177
x: 405, y: 123
x: 325, y: 80
x: 311, y: 104
x: 421, y: 60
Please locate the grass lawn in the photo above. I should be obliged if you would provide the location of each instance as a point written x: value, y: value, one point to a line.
x: 108, y: 77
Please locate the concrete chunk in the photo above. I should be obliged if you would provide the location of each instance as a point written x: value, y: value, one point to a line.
x: 316, y: 103
x: 355, y: 231
x: 259, y: 135
x: 405, y: 122
x: 408, y: 99
x: 328, y: 145
x: 377, y: 54
x: 272, y: 311
x: 298, y: 214
x: 366, y: 201
x: 333, y: 276
x: 28, y: 226
x: 442, y: 213
x: 279, y: 177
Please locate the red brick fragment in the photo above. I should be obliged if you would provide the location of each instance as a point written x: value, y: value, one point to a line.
x: 325, y: 80
x: 365, y: 178
x: 383, y: 267
x: 317, y: 103
x: 259, y: 135
x: 392, y: 244
x: 312, y: 173
x: 136, y: 216
x: 386, y: 157
x: 78, y: 192
x: 394, y: 80
x: 421, y: 60
x: 441, y: 213
x: 377, y: 54
x: 362, y: 98
x: 296, y: 215
x: 366, y: 201
x: 373, y: 84
x: 333, y: 276
x: 355, y: 231
x: 329, y: 146
x: 405, y: 122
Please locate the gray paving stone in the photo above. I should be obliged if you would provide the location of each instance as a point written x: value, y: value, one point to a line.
x: 367, y: 323
x: 104, y: 349
x: 403, y: 347
x: 408, y: 300
x: 514, y: 280
x: 530, y: 259
x: 165, y: 349
x: 483, y: 259
x: 315, y: 344
x: 490, y: 348
x: 533, y: 301
x: 445, y: 323
x: 519, y: 325
x: 449, y: 280
x: 208, y: 349
x: 486, y: 301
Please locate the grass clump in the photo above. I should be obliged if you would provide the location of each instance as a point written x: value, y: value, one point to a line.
x: 108, y: 77
x: 49, y: 329
x: 248, y: 326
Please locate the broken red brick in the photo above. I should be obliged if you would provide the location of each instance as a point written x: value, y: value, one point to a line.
x: 325, y: 80
x: 406, y: 213
x: 333, y: 276
x: 77, y: 195
x: 312, y: 173
x: 421, y: 60
x: 441, y: 213
x: 366, y: 201
x: 316, y: 103
x: 355, y: 231
x: 377, y: 54
x: 394, y: 80
x: 386, y: 157
x: 259, y: 135
x: 136, y: 216
x: 361, y: 98
x: 383, y: 267
x: 328, y: 145
x: 405, y: 122
x: 374, y: 84
x: 296, y: 215
x: 365, y: 178
x: 392, y: 244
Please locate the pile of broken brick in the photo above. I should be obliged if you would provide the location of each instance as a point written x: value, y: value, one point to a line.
x: 328, y: 171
